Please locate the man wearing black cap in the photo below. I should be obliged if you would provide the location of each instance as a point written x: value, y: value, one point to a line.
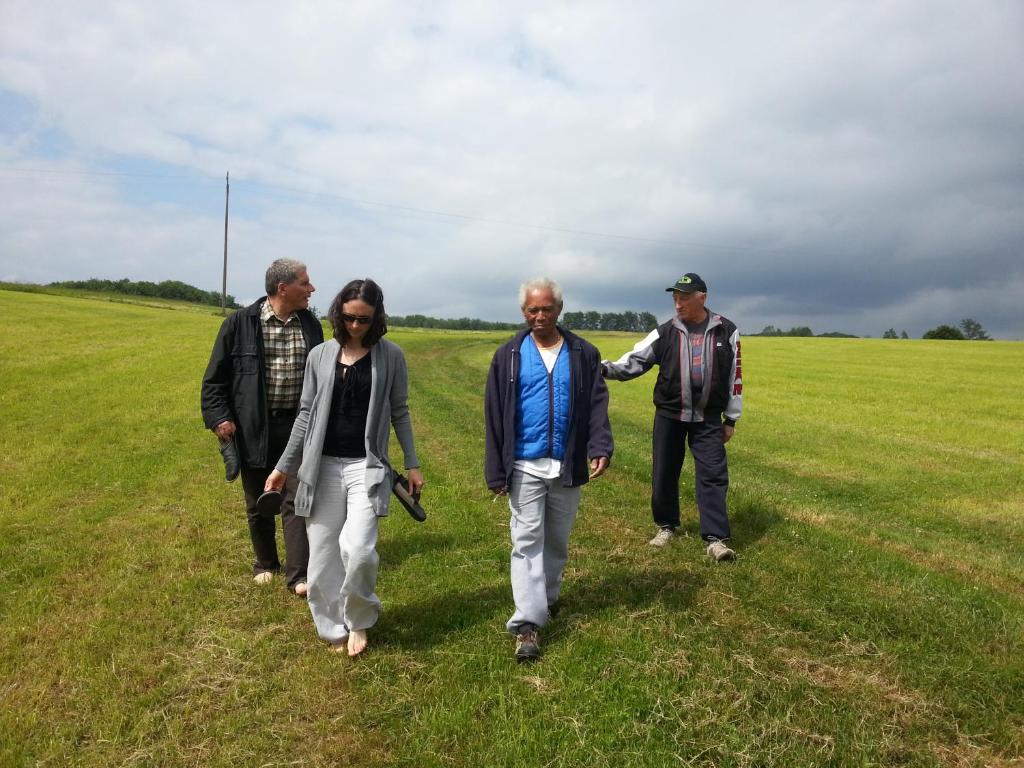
x: 698, y: 398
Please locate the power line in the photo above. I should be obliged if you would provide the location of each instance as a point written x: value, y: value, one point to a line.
x: 409, y: 209
x: 469, y: 217
x: 515, y: 224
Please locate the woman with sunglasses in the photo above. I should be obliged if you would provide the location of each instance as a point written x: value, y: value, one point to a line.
x: 355, y: 389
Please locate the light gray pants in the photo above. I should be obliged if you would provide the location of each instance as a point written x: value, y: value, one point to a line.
x: 543, y: 513
x: 342, y: 533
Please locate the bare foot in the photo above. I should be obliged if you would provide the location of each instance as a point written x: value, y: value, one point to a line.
x: 340, y: 645
x: 356, y: 642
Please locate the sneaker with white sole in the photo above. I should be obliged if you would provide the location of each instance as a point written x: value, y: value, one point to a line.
x: 718, y: 551
x: 262, y: 579
x: 662, y: 537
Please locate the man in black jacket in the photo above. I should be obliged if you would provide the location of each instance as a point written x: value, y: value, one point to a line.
x: 251, y: 393
x: 547, y: 433
x: 698, y: 398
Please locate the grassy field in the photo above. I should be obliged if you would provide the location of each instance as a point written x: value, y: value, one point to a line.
x: 153, y: 302
x: 875, y: 615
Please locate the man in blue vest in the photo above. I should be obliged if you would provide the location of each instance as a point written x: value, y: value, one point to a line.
x: 546, y: 413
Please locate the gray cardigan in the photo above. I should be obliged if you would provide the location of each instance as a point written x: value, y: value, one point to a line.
x: 389, y: 406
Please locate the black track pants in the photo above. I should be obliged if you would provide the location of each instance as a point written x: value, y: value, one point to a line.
x: 712, y: 473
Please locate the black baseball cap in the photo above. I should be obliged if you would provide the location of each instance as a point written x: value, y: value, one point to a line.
x: 689, y: 283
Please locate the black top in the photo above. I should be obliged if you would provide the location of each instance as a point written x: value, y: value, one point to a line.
x: 350, y: 403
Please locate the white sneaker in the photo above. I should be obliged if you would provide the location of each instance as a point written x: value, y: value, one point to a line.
x: 662, y: 537
x: 719, y: 551
x: 262, y: 579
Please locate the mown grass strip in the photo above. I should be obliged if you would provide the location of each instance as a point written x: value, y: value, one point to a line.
x: 874, y: 617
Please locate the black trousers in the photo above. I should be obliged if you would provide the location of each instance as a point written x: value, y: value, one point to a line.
x: 263, y: 530
x: 712, y: 473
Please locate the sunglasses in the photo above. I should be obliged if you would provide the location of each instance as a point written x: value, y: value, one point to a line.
x: 357, y: 319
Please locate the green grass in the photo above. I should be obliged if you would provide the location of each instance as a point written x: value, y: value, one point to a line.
x: 875, y: 615
x: 154, y: 302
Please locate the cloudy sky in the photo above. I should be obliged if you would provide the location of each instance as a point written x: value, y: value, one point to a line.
x: 850, y: 166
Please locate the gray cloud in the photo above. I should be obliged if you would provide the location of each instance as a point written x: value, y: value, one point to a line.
x: 843, y: 166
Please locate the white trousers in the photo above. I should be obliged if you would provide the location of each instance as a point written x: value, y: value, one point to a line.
x: 543, y: 513
x: 342, y: 533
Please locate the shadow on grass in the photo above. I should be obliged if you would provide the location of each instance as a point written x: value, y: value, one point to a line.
x: 622, y: 588
x: 422, y: 625
x: 750, y: 519
x: 628, y: 589
x: 396, y: 551
x: 624, y: 593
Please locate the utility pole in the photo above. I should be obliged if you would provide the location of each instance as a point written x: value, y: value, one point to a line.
x: 224, y: 283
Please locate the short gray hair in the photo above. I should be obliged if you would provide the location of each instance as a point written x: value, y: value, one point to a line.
x: 282, y: 271
x: 540, y: 284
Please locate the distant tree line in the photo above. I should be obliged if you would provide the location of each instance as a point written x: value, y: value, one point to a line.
x: 801, y: 330
x: 458, y: 324
x: 969, y: 330
x: 168, y: 289
x: 635, y: 322
x: 797, y: 330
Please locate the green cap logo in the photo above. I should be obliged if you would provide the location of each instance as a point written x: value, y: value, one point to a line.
x: 685, y: 279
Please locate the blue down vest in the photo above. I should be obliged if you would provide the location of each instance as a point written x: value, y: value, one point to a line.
x: 542, y: 408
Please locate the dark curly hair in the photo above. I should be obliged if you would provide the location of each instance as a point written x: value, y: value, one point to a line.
x: 368, y: 291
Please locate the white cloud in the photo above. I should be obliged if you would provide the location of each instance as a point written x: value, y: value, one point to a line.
x: 842, y: 157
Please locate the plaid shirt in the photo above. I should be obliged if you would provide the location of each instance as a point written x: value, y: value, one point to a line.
x: 284, y: 350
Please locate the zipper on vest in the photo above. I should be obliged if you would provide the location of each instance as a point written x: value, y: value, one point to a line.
x: 685, y: 386
x: 709, y: 365
x: 551, y: 410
